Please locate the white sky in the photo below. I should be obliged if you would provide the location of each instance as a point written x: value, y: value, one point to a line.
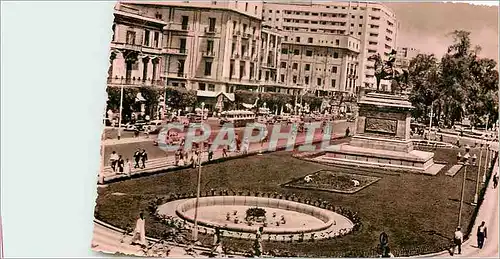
x: 489, y: 3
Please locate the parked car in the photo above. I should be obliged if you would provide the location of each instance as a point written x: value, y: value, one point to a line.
x: 294, y: 119
x: 130, y: 127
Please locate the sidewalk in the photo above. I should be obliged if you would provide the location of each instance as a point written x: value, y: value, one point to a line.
x: 161, y: 164
x: 488, y: 213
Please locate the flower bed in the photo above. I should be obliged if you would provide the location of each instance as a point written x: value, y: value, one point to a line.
x: 326, y: 180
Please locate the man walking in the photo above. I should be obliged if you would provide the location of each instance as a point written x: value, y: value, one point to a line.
x: 457, y: 240
x: 137, y: 158
x: 144, y: 158
x: 113, y: 159
x: 347, y: 132
x: 481, y: 235
x: 495, y: 181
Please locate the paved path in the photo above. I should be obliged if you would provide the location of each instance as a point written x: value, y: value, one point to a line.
x: 159, y: 164
x: 108, y: 239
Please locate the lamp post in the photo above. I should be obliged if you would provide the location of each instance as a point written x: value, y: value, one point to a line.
x: 430, y: 120
x: 486, y: 159
x: 121, y: 108
x: 476, y: 195
x: 195, y: 229
x: 465, y: 161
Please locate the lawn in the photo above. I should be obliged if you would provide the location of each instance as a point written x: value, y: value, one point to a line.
x: 418, y: 212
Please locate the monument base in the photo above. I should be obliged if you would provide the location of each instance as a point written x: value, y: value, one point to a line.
x: 414, y: 160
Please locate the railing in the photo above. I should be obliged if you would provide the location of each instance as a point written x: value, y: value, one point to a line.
x: 178, y: 74
x: 245, y: 57
x: 135, y: 81
x: 209, y: 30
x: 175, y: 51
x: 177, y: 27
x: 235, y: 55
x: 246, y: 35
x: 236, y: 33
x: 209, y: 53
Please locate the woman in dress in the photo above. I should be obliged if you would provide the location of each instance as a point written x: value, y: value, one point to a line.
x: 139, y: 232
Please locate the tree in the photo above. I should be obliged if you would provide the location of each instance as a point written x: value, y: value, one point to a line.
x: 424, y: 80
x: 180, y: 98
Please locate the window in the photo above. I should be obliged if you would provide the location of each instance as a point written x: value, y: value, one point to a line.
x: 359, y: 33
x: 246, y: 7
x: 210, y: 46
x: 234, y: 25
x: 334, y: 83
x: 295, y: 66
x: 282, y: 78
x: 307, y: 67
x: 335, y: 55
x: 286, y: 38
x: 245, y: 28
x: 131, y: 37
x: 352, y: 24
x: 201, y: 86
x: 309, y: 53
x: 284, y: 51
x: 294, y: 79
x: 297, y: 39
x: 255, y: 10
x: 156, y: 39
x: 283, y: 64
x: 185, y: 21
x: 337, y: 42
x: 361, y: 17
x: 306, y: 80
x: 211, y: 87
x: 180, y: 68
x: 208, y: 68
x: 318, y: 81
x: 296, y: 52
x: 334, y: 69
x: 310, y: 40
x: 353, y: 17
x: 182, y: 45
x: 211, y: 24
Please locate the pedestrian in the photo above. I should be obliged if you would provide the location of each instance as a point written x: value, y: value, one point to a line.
x: 224, y: 151
x: 495, y: 181
x: 246, y: 145
x: 347, y: 132
x: 194, y: 158
x: 139, y: 231
x: 120, y: 164
x: 481, y: 235
x: 457, y: 240
x: 146, y: 131
x: 210, y: 154
x: 136, y: 132
x: 144, y: 158
x: 113, y: 159
x: 177, y: 156
x: 128, y: 167
x: 137, y: 158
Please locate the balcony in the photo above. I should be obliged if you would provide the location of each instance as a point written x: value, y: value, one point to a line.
x: 208, y: 54
x: 235, y: 55
x: 209, y: 30
x: 127, y: 46
x: 236, y: 33
x: 175, y: 51
x: 246, y: 35
x: 176, y: 27
x: 245, y: 57
x: 178, y: 75
x: 135, y: 81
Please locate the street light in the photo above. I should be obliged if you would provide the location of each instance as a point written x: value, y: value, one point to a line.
x: 464, y: 161
x: 121, y: 108
x: 195, y: 229
x: 488, y: 151
x: 476, y: 195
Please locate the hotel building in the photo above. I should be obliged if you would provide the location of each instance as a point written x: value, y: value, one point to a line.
x: 218, y: 47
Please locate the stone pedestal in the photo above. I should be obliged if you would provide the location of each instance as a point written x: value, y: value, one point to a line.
x: 382, y: 137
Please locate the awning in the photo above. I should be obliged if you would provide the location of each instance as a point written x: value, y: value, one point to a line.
x: 211, y: 94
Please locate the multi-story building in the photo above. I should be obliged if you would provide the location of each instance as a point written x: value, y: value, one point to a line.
x: 404, y: 56
x: 371, y: 27
x: 218, y: 47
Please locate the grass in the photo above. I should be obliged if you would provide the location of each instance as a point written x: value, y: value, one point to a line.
x: 418, y: 212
